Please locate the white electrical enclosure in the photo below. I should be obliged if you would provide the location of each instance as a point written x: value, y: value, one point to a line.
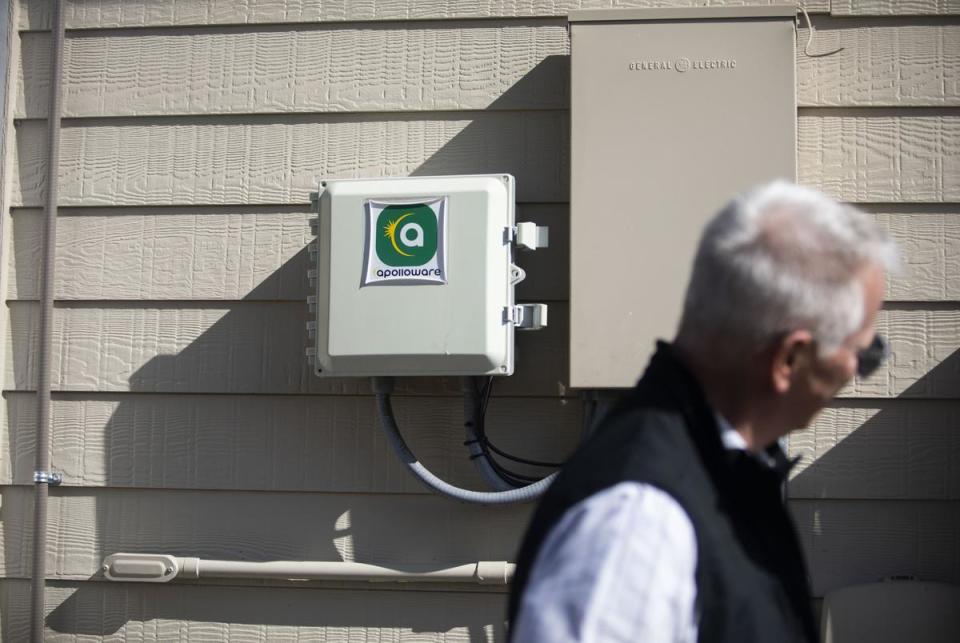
x: 415, y: 276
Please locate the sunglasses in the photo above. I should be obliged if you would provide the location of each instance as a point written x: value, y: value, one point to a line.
x: 870, y: 358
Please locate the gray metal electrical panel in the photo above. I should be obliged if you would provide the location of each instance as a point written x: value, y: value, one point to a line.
x: 674, y: 111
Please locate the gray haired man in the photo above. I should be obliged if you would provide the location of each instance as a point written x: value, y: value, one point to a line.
x: 668, y: 524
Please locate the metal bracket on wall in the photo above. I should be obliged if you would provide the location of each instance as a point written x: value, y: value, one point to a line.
x: 526, y: 316
x: 529, y: 236
x: 51, y: 478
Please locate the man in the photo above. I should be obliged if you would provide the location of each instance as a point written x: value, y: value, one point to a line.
x: 669, y: 523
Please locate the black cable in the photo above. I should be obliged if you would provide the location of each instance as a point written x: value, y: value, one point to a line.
x: 487, y: 389
x: 483, y: 416
x: 532, y: 463
x: 513, y: 478
x: 509, y: 477
x: 486, y: 445
x: 479, y: 453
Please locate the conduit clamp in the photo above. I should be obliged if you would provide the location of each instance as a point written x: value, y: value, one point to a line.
x: 50, y: 478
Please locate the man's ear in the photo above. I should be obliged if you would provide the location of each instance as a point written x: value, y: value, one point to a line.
x: 787, y: 357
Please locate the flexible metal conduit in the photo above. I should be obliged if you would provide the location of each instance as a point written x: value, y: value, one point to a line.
x: 382, y: 387
x: 42, y: 476
x: 162, y: 568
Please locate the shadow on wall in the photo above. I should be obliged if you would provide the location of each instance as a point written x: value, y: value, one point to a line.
x: 221, y: 612
x: 880, y: 459
x: 252, y: 393
x: 896, y: 467
x: 533, y: 145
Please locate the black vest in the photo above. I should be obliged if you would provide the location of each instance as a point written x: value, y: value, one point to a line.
x: 750, y: 576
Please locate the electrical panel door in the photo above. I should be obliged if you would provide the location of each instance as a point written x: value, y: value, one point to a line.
x: 674, y: 111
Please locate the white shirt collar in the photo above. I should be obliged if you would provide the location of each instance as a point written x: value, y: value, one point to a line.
x: 733, y: 441
x: 729, y: 436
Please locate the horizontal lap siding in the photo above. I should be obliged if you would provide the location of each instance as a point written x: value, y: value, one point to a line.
x: 847, y: 541
x: 392, y: 530
x: 925, y: 354
x: 290, y: 443
x: 280, y: 159
x: 864, y: 157
x: 230, y: 253
x: 850, y: 542
x: 879, y: 449
x: 894, y: 7
x: 871, y: 156
x: 315, y: 68
x: 81, y: 14
x: 881, y: 63
x: 176, y: 612
x: 929, y: 243
x: 257, y: 347
x: 876, y: 449
x: 231, y: 347
x: 431, y: 66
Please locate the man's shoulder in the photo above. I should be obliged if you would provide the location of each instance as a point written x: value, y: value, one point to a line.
x: 635, y: 514
x: 633, y: 444
x: 622, y: 511
x: 639, y: 443
x: 578, y: 588
x: 637, y: 435
x: 640, y: 418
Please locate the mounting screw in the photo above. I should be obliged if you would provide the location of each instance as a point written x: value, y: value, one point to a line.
x: 168, y: 571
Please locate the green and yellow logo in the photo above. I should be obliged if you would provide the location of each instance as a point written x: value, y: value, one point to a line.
x: 406, y: 235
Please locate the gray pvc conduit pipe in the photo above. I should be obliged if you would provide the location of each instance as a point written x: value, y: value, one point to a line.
x: 382, y: 387
x: 163, y: 568
x: 42, y: 476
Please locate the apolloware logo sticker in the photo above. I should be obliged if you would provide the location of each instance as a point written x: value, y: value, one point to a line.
x: 405, y: 243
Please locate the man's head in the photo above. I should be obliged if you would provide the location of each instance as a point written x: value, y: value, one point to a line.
x: 785, y: 288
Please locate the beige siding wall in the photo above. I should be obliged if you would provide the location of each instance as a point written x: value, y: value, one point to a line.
x: 184, y: 419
